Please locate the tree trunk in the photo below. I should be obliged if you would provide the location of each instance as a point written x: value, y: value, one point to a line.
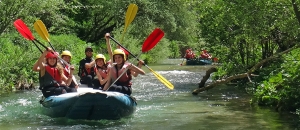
x: 296, y: 10
x: 206, y: 76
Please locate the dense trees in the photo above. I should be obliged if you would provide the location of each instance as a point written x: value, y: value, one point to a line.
x: 244, y: 33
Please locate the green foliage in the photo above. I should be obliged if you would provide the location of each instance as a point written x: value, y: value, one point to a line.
x: 91, y: 20
x: 281, y: 87
x: 247, y: 39
x: 241, y: 41
x: 71, y: 43
x: 29, y: 11
x: 174, y: 48
x: 18, y: 57
x: 15, y: 64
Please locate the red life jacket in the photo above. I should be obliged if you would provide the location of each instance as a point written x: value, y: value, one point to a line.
x: 125, y: 79
x: 88, y: 70
x: 204, y: 54
x: 189, y: 54
x: 66, y: 71
x: 53, y: 71
x: 103, y: 72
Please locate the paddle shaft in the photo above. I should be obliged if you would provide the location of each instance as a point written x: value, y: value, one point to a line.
x: 161, y: 78
x: 66, y: 63
x: 51, y: 46
x: 127, y: 50
x: 38, y: 47
x: 123, y: 47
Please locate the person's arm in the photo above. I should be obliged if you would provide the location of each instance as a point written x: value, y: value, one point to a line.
x: 140, y: 64
x: 208, y: 56
x: 36, y: 67
x: 107, y: 35
x: 75, y: 82
x: 100, y: 78
x: 108, y: 82
x: 40, y: 62
x: 90, y: 65
x: 69, y: 79
x: 137, y: 70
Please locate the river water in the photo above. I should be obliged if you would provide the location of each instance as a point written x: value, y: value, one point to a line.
x: 221, y: 108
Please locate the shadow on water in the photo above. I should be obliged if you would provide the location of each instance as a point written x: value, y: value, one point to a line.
x: 221, y: 108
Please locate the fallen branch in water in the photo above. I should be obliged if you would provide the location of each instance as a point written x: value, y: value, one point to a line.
x: 237, y: 76
x: 206, y: 76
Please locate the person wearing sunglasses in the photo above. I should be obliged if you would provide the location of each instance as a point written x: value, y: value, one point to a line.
x: 86, y: 74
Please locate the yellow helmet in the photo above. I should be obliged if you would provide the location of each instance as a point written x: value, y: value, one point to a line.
x: 119, y: 52
x: 66, y: 53
x: 101, y: 56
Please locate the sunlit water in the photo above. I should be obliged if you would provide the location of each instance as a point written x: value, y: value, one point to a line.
x: 221, y: 108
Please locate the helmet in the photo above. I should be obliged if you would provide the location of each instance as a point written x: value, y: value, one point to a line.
x: 50, y: 55
x: 119, y: 52
x: 126, y: 52
x: 66, y: 53
x: 101, y: 56
x: 88, y: 48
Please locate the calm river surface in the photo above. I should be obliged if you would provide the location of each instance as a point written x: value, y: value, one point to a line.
x: 221, y: 108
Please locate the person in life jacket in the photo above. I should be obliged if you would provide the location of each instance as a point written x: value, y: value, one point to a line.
x: 140, y: 62
x: 36, y: 68
x: 101, y: 70
x: 123, y: 84
x: 86, y: 74
x: 204, y: 54
x: 51, y: 77
x: 66, y: 56
x: 189, y: 54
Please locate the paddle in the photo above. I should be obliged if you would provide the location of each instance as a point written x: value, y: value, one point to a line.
x: 40, y: 28
x: 19, y: 24
x: 26, y: 33
x: 148, y: 44
x: 130, y: 15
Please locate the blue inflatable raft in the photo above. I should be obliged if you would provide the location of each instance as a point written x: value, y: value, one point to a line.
x: 89, y: 104
x: 198, y: 61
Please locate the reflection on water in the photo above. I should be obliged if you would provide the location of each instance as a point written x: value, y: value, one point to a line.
x: 223, y: 107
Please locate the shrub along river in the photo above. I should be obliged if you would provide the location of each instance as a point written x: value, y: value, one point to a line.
x: 159, y: 108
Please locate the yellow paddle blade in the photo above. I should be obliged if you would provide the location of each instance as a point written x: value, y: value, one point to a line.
x: 40, y: 28
x: 130, y: 15
x: 162, y: 79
